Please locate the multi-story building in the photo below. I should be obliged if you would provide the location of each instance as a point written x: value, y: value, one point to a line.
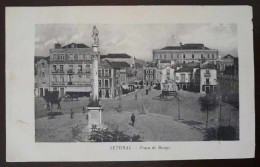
x: 149, y: 76
x: 208, y: 78
x: 228, y: 82
x: 106, y: 80
x: 70, y: 69
x: 226, y: 61
x: 183, y: 77
x: 187, y: 53
x: 41, y: 76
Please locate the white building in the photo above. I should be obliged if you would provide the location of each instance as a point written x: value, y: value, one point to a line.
x: 183, y: 77
x: 186, y: 53
x: 208, y: 78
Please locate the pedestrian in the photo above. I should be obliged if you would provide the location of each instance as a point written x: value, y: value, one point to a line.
x: 83, y: 110
x: 133, y: 119
x: 71, y: 114
x: 136, y: 95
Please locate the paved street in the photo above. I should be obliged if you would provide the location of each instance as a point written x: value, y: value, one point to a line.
x: 159, y: 123
x: 149, y: 126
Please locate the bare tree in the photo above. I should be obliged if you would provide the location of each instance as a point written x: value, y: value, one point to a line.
x: 208, y: 103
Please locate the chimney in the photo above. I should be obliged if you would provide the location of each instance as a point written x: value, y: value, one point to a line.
x: 181, y: 45
x: 57, y: 45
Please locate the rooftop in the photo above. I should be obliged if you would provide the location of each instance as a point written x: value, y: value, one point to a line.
x: 185, y: 69
x: 208, y: 66
x: 228, y: 56
x: 188, y: 46
x: 75, y: 45
x: 115, y: 55
x: 119, y: 64
x: 38, y: 58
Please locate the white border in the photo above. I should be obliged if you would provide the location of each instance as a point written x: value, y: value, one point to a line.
x: 20, y: 37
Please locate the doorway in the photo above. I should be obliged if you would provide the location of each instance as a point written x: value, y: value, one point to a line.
x: 107, y: 93
x: 207, y: 89
x: 41, y: 92
x: 184, y: 87
x: 100, y: 93
x: 61, y: 92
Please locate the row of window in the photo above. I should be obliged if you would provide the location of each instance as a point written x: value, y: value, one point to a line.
x: 149, y: 77
x: 70, y: 78
x: 61, y: 67
x: 192, y: 56
x: 149, y: 71
x: 106, y: 72
x: 62, y: 57
x: 105, y: 83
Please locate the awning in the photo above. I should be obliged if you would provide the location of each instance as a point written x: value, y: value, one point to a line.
x: 125, y: 86
x: 79, y: 89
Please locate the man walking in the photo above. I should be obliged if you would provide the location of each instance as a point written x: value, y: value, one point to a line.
x: 133, y: 119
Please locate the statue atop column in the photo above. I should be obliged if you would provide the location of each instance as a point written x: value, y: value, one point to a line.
x: 95, y: 35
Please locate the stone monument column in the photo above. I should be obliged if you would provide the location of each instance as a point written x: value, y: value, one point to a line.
x: 95, y: 63
x: 94, y: 108
x: 95, y: 72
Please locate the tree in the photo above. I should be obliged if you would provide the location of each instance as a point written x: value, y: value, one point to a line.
x: 221, y: 133
x: 106, y: 135
x: 208, y: 103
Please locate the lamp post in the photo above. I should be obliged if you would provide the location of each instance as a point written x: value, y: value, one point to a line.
x: 219, y: 103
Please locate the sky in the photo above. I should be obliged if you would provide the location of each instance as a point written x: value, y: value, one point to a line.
x: 137, y: 39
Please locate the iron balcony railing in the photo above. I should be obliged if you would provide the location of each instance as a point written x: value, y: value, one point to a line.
x: 207, y: 75
x: 57, y: 71
x: 70, y: 71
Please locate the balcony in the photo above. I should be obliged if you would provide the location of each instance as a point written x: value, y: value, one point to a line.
x: 80, y: 72
x: 88, y: 71
x: 58, y: 83
x: 57, y: 71
x: 70, y: 71
x: 207, y: 75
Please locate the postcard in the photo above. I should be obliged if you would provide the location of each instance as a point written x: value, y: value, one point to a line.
x: 129, y: 83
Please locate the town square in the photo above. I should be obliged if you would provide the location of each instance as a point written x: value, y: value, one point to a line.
x: 183, y: 92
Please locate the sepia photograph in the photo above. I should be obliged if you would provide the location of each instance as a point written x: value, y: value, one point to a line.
x: 136, y: 83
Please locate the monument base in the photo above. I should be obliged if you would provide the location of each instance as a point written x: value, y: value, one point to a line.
x: 94, y: 118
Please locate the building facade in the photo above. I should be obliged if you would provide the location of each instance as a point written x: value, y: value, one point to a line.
x: 70, y: 69
x: 226, y: 61
x: 41, y: 77
x: 105, y: 80
x: 208, y: 78
x: 183, y: 78
x: 187, y: 53
x: 229, y: 83
x: 149, y: 76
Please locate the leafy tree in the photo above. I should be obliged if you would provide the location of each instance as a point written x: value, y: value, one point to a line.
x: 221, y: 133
x: 208, y: 103
x: 104, y: 135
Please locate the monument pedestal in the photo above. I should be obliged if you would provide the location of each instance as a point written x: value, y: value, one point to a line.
x: 94, y: 116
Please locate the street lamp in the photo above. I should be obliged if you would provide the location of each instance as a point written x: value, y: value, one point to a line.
x: 219, y: 103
